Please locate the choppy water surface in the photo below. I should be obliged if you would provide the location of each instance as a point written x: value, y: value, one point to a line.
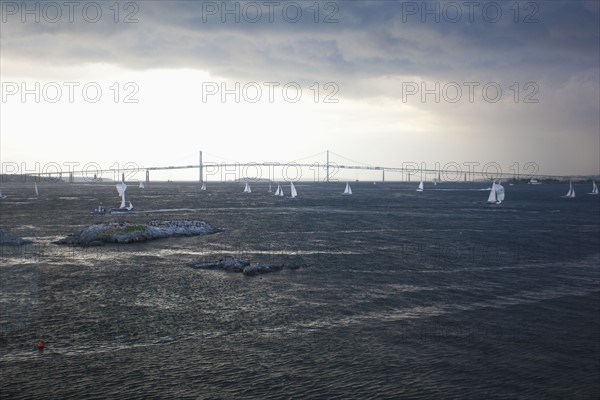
x: 399, y: 294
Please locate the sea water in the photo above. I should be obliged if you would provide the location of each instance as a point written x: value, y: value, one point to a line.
x: 399, y: 294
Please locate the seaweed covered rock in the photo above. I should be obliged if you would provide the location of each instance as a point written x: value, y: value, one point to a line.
x: 126, y: 232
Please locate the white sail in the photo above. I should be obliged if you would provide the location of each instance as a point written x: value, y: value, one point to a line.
x: 499, y: 193
x: 122, y: 188
x: 420, y: 188
x: 203, y: 187
x: 37, y: 193
x: 348, y: 189
x: 247, y: 188
x: 571, y: 193
x: 130, y: 207
x: 572, y: 190
x: 293, y: 190
x: 279, y: 191
x: 594, y: 188
x: 492, y: 197
x: 270, y: 189
x: 141, y: 185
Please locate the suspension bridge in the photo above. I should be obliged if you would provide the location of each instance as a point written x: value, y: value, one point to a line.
x: 325, y: 171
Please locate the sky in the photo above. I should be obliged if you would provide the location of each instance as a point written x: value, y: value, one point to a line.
x: 387, y: 83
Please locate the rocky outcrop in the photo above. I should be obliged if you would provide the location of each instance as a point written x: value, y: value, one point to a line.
x: 126, y: 232
x: 228, y: 264
x: 238, y: 265
x: 8, y: 239
x: 261, y: 269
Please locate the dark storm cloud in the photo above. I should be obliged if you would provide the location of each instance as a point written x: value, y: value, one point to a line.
x: 549, y: 41
x: 369, y: 48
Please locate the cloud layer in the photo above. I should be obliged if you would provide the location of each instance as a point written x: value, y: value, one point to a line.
x: 373, y: 50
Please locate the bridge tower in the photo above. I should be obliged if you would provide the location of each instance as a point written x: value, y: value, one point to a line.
x: 327, y: 167
x: 201, y: 178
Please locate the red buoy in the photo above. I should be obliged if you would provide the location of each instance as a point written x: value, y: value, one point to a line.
x: 40, y: 345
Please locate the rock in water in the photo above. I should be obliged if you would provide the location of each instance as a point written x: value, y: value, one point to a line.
x: 227, y: 264
x: 126, y: 232
x: 233, y: 264
x: 251, y: 270
x: 206, y: 265
x: 237, y: 265
x: 8, y: 239
x: 261, y: 269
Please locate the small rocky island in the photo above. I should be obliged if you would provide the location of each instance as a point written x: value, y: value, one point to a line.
x: 231, y: 264
x: 8, y: 239
x: 126, y: 232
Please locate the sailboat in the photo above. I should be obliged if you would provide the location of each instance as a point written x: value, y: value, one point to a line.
x: 270, y: 190
x: 348, y: 190
x: 142, y: 185
x: 279, y: 191
x: 122, y: 188
x: 499, y: 192
x: 594, y: 188
x: 99, y: 210
x: 294, y: 193
x: 37, y: 193
x: 247, y: 188
x: 571, y: 193
x: 496, y: 194
x: 203, y: 187
x: 420, y: 188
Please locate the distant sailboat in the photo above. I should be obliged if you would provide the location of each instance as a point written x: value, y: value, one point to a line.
x: 594, y: 188
x: 270, y: 190
x: 203, y: 187
x: 247, y: 188
x: 348, y: 190
x: 37, y: 193
x: 294, y: 193
x: 122, y: 188
x: 99, y: 210
x: 496, y: 194
x: 279, y: 191
x: 571, y: 193
x: 420, y: 188
x: 142, y: 185
x: 499, y: 192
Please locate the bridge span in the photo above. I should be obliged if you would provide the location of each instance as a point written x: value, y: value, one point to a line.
x: 319, y: 172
